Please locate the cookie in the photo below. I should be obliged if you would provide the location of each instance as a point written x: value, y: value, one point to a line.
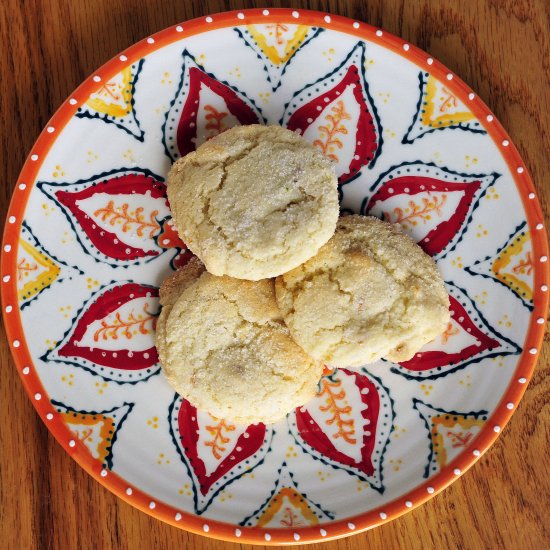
x: 371, y: 292
x: 224, y: 347
x: 254, y: 201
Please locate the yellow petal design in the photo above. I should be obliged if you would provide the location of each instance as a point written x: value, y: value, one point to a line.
x: 441, y: 107
x: 35, y: 271
x: 514, y: 265
x: 287, y: 509
x: 114, y: 98
x: 94, y: 430
x: 277, y: 41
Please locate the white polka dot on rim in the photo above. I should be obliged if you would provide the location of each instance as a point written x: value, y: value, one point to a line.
x: 8, y: 309
x: 96, y: 78
x: 26, y: 370
x: 533, y: 351
x: 509, y: 406
x: 123, y: 58
x: 522, y: 380
x: 73, y: 101
x: 7, y: 247
x: 240, y: 16
x: 267, y: 537
x: 16, y: 343
x: 496, y: 428
x: 238, y: 532
x: 11, y: 219
x: 206, y: 527
x: 543, y: 259
x: 265, y: 12
x: 351, y: 526
x: 152, y: 505
x: 406, y: 47
x: 544, y: 288
x: 34, y: 157
x: 540, y: 320
x: 429, y: 61
x: 489, y: 118
x: 178, y: 517
x: 539, y: 226
x: 471, y: 96
x: 449, y: 76
x: 38, y: 396
x: 322, y: 532
x: 103, y: 473
x: 476, y: 452
x: 6, y: 278
x: 150, y: 40
x: 50, y: 129
x: 179, y: 28
x: 295, y: 14
x: 22, y: 186
x: 208, y: 20
x: 430, y: 490
x: 457, y: 471
x: 505, y: 143
x: 296, y: 536
x: 531, y: 196
x: 378, y: 32
x: 519, y: 169
x: 408, y: 504
x: 327, y: 20
x: 72, y: 443
x: 49, y: 416
x: 129, y: 491
x: 383, y: 515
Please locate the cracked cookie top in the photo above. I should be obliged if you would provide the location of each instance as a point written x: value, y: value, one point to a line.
x: 254, y: 201
x: 371, y: 292
x: 224, y: 347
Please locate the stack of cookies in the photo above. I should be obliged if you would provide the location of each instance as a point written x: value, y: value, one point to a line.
x: 280, y: 286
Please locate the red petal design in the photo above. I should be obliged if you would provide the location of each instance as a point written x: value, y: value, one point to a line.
x: 468, y: 338
x: 431, y: 359
x: 105, y: 241
x: 187, y: 127
x: 248, y: 443
x: 329, y: 108
x: 103, y: 305
x: 313, y: 434
x: 446, y: 202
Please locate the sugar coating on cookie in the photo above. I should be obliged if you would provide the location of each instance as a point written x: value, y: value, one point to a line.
x: 371, y: 292
x: 254, y: 201
x: 224, y: 347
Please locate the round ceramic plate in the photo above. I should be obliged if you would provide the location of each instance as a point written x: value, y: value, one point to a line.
x: 89, y: 238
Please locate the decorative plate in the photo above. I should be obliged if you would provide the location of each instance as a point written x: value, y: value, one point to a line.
x: 89, y: 238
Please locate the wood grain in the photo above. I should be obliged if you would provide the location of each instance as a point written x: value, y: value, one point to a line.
x: 500, y: 47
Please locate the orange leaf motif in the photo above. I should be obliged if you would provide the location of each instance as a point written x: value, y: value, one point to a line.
x: 449, y: 100
x: 525, y: 267
x: 111, y: 331
x: 415, y: 212
x: 290, y: 519
x: 459, y: 439
x: 328, y: 133
x: 24, y: 267
x: 449, y: 331
x: 129, y: 219
x: 279, y: 30
x: 218, y: 441
x: 346, y: 427
x: 214, y: 120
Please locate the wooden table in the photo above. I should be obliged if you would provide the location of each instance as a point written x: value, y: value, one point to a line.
x: 501, y: 48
